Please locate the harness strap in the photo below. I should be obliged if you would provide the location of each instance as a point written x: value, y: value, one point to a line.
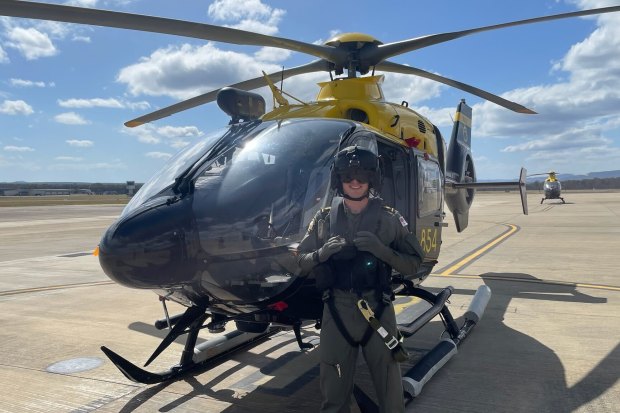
x: 391, y: 342
x: 329, y: 300
x: 341, y: 327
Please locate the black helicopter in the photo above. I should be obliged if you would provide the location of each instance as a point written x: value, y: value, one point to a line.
x: 552, y: 188
x: 216, y: 229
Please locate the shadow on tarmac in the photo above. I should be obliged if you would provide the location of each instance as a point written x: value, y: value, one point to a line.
x: 498, y: 369
x: 501, y: 369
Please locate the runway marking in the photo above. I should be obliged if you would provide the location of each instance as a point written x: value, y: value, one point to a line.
x: 36, y: 222
x: 408, y: 301
x: 53, y: 287
x: 536, y: 281
x: 475, y: 254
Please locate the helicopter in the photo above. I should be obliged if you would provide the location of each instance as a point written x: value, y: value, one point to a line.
x: 552, y: 187
x: 216, y: 229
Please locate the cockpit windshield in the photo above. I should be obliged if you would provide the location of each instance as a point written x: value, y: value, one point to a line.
x: 180, y: 162
x: 553, y: 185
x: 263, y: 191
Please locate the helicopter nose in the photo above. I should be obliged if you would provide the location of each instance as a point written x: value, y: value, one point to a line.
x: 148, y: 248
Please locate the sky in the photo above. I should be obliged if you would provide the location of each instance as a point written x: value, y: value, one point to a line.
x: 67, y: 89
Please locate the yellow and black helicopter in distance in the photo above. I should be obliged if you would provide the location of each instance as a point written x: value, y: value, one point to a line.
x: 552, y: 188
x: 191, y: 235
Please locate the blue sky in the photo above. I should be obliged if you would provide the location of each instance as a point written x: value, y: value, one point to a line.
x: 65, y: 90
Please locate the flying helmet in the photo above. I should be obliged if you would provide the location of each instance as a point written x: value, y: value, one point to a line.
x: 356, y: 162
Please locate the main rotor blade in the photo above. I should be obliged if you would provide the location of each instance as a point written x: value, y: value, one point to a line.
x: 95, y: 17
x: 408, y: 70
x: 385, y: 51
x: 316, y: 66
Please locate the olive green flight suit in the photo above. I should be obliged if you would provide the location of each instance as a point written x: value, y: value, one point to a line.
x: 338, y: 357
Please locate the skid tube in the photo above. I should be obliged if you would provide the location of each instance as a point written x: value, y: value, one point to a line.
x: 420, y: 373
x: 193, y: 356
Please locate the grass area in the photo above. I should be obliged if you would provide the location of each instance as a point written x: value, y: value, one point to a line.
x: 22, y: 201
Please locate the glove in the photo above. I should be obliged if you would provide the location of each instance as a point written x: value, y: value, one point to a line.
x: 332, y: 246
x: 369, y: 242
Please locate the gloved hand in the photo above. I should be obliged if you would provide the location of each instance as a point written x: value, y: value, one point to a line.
x: 368, y: 241
x: 332, y: 246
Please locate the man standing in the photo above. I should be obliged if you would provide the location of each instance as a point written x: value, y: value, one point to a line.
x: 352, y: 247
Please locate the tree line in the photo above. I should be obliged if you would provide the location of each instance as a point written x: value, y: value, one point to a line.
x: 73, y: 187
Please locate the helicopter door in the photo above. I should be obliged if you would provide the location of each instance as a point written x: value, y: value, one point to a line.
x: 393, y: 161
x: 429, y: 201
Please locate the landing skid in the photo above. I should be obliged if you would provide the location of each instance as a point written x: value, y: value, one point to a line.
x: 418, y: 375
x: 193, y: 357
x: 560, y: 198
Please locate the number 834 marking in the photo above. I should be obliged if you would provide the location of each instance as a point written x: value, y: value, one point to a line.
x: 428, y: 239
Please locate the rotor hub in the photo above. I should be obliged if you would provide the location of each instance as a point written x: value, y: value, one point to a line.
x: 353, y: 43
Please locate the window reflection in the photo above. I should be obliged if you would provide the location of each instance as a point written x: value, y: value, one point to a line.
x: 164, y: 179
x: 262, y: 191
x: 429, y: 187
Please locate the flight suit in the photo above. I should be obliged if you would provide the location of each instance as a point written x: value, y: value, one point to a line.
x: 338, y: 356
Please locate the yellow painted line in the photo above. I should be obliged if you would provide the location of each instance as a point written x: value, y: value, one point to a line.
x: 399, y: 308
x: 480, y: 251
x: 535, y: 281
x: 53, y: 287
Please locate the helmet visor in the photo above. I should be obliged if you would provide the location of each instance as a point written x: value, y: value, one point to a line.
x: 360, y: 176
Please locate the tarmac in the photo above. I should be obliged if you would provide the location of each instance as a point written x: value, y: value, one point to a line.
x: 548, y: 341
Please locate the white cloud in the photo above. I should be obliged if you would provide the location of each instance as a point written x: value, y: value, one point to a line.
x: 443, y: 118
x: 569, y: 140
x: 185, y: 71
x: 90, y: 103
x: 26, y: 83
x: 158, y: 155
x: 84, y: 39
x: 272, y: 54
x: 170, y: 135
x: 11, y: 148
x: 16, y: 107
x: 30, y: 42
x: 83, y: 3
x: 80, y: 143
x: 249, y: 15
x: 144, y: 133
x: 71, y: 118
x: 69, y: 158
x: 178, y: 131
x: 103, y: 103
x: 399, y: 87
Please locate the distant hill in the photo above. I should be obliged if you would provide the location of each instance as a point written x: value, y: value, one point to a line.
x: 571, y: 177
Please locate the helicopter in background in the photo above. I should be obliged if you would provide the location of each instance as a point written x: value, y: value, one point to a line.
x: 552, y: 187
x: 216, y: 229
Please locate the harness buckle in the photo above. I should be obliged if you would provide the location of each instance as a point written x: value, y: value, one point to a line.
x: 392, y: 343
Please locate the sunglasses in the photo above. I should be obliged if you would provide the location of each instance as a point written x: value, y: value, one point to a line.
x: 361, y: 178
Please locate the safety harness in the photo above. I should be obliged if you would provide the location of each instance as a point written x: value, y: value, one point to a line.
x: 391, y: 342
x: 357, y: 271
